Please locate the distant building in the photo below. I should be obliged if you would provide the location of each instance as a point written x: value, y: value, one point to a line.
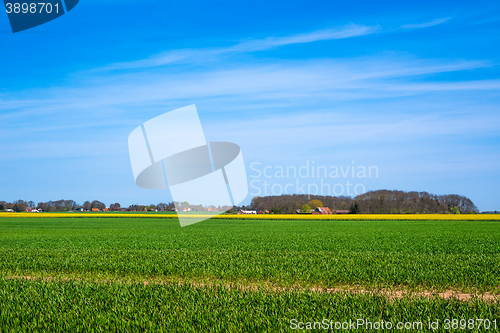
x: 33, y: 210
x: 118, y: 209
x: 80, y: 209
x: 322, y: 211
x: 247, y: 212
x: 9, y: 210
x: 341, y: 212
x: 95, y: 209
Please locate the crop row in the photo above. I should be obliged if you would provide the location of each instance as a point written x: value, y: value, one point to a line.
x: 69, y: 306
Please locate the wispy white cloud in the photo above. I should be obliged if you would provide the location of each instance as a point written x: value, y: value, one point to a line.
x: 483, y: 85
x: 246, y: 46
x: 288, y: 82
x: 349, y: 31
x: 426, y: 24
x: 255, y: 45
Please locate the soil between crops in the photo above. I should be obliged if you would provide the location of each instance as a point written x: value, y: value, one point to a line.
x: 390, y: 294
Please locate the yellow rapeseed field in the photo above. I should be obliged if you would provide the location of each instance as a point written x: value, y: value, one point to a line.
x: 384, y: 217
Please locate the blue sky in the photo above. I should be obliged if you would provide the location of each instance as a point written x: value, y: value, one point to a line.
x: 411, y: 88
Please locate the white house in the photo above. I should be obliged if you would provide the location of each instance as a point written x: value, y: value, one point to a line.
x: 247, y: 212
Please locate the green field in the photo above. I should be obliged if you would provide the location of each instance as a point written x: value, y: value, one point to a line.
x: 225, y: 273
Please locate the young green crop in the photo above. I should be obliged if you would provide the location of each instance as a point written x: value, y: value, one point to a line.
x: 431, y: 255
x: 71, y: 306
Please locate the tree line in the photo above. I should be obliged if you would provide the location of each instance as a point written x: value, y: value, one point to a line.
x: 373, y: 202
x: 66, y: 205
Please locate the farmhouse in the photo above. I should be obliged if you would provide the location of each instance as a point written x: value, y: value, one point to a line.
x: 95, y: 209
x: 322, y: 211
x: 247, y: 212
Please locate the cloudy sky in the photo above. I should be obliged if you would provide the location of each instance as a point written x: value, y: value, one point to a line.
x: 411, y: 89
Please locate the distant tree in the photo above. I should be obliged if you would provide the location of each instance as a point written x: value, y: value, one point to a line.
x: 306, y: 209
x: 87, y: 205
x: 97, y: 204
x: 162, y: 206
x: 185, y: 204
x: 455, y: 210
x: 1, y: 205
x: 115, y: 205
x: 354, y: 209
x: 254, y: 201
x: 276, y: 210
x: 197, y: 208
x: 315, y: 204
x: 20, y: 206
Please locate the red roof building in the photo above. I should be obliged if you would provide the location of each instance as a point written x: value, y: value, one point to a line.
x: 322, y: 211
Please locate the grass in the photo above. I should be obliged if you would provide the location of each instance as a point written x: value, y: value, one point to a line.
x: 218, y: 272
